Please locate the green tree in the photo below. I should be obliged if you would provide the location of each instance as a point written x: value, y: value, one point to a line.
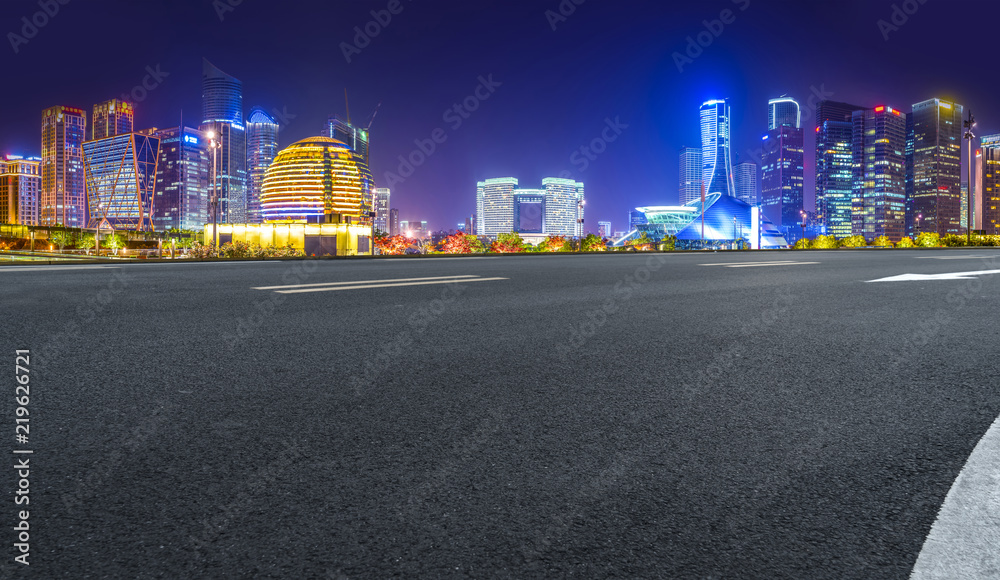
x: 882, y: 242
x: 853, y: 242
x: 113, y: 241
x: 906, y: 242
x: 928, y: 240
x: 86, y: 242
x: 824, y: 243
x: 592, y: 243
x: 668, y: 243
x: 802, y: 244
x: 62, y: 239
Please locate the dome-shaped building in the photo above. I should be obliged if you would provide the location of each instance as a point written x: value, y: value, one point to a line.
x: 317, y: 180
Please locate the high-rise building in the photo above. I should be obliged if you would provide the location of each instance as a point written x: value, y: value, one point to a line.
x: 495, y: 206
x: 637, y: 218
x: 977, y: 191
x: 745, y: 180
x: 121, y: 180
x: 183, y: 173
x: 470, y: 225
x: 834, y: 166
x: 783, y: 176
x: 879, y: 158
x: 690, y: 174
x: 112, y: 118
x: 393, y: 222
x: 20, y: 184
x: 937, y: 174
x: 604, y: 229
x: 354, y: 137
x: 63, y: 199
x: 990, y: 184
x: 222, y: 121
x: 717, y: 165
x: 783, y: 112
x: 382, y: 197
x: 262, y: 146
x: 559, y: 205
x: 564, y: 205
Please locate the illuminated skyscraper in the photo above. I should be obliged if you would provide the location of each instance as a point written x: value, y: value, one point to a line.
x: 691, y: 168
x: 183, y: 173
x: 937, y: 174
x: 382, y: 197
x: 559, y: 204
x: 20, y: 183
x: 354, y: 137
x: 121, y: 180
x: 112, y: 118
x: 604, y: 229
x: 564, y: 205
x: 717, y: 165
x: 63, y: 199
x: 834, y: 166
x: 745, y: 179
x: 393, y: 222
x: 879, y: 158
x: 990, y: 184
x: 262, y: 146
x: 222, y: 116
x: 783, y: 112
x: 495, y: 206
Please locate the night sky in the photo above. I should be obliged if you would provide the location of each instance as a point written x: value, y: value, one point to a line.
x: 605, y: 60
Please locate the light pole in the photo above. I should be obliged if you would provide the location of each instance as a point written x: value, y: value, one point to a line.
x: 214, y: 200
x: 970, y: 124
x: 920, y: 216
x: 802, y: 214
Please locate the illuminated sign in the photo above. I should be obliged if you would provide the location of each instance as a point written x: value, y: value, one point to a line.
x: 191, y: 139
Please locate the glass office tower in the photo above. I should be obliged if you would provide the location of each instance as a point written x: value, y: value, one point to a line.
x: 262, y: 147
x: 717, y: 166
x: 879, y: 159
x: 63, y: 199
x: 937, y: 163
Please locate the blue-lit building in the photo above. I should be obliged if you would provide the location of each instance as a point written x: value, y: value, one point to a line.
x: 835, y: 167
x: 222, y: 121
x: 121, y: 180
x: 783, y: 168
x: 262, y: 147
x: 183, y: 174
x: 717, y: 164
x: 725, y: 222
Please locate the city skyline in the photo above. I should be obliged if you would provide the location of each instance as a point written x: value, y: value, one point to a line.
x: 630, y: 172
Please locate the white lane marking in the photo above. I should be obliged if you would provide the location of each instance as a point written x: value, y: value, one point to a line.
x: 955, y: 257
x: 759, y: 264
x: 964, y: 541
x: 338, y: 288
x: 51, y: 268
x: 362, y: 282
x: 949, y: 276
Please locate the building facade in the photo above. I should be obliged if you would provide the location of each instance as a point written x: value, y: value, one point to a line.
x: 745, y: 180
x: 557, y: 209
x: 222, y: 121
x: 717, y: 165
x: 834, y: 167
x: 20, y: 185
x: 121, y: 181
x: 783, y: 111
x: 990, y: 184
x: 604, y: 229
x: 382, y: 203
x: 393, y: 222
x: 262, y: 146
x: 183, y: 173
x: 783, y: 179
x: 879, y: 160
x: 112, y: 118
x: 690, y: 174
x: 937, y: 162
x: 63, y: 199
x: 354, y: 137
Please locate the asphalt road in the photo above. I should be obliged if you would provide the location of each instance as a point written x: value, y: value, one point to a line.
x: 583, y: 416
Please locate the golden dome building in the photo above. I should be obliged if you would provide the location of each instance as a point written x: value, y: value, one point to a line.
x: 316, y: 195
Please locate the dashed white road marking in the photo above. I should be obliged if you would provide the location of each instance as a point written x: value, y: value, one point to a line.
x: 51, y: 268
x: 371, y: 286
x: 964, y: 541
x: 957, y: 257
x: 360, y: 282
x: 948, y: 276
x: 760, y: 264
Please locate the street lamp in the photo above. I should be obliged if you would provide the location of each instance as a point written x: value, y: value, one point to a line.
x: 920, y: 216
x: 214, y: 199
x: 969, y: 124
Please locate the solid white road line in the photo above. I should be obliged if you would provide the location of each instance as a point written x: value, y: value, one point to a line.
x: 785, y: 264
x: 338, y: 288
x: 955, y: 257
x: 51, y: 268
x: 741, y: 263
x: 949, y: 276
x: 362, y: 282
x: 965, y: 539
